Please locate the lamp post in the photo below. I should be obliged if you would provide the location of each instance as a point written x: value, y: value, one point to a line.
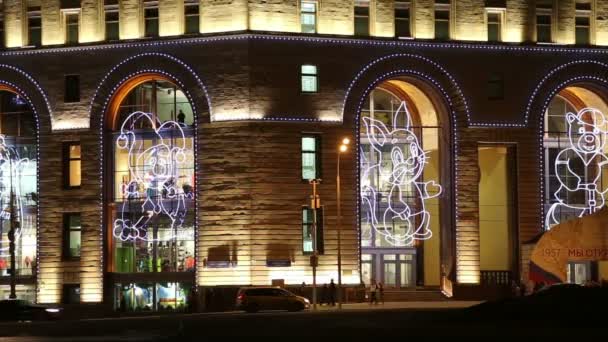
x: 315, y: 203
x: 342, y: 149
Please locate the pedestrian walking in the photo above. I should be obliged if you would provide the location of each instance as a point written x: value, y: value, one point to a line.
x: 372, y: 293
x: 381, y: 292
x: 332, y: 293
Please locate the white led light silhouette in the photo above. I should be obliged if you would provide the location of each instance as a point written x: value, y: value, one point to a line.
x: 587, y: 134
x: 11, y: 171
x: 156, y: 168
x: 402, y: 178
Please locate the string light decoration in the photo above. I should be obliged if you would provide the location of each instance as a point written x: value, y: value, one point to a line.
x: 404, y: 206
x: 583, y: 163
x: 154, y: 168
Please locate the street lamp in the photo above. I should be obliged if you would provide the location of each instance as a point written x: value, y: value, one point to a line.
x: 341, y: 149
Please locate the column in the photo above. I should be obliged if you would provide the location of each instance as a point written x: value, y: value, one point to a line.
x: 92, y: 21
x: 131, y: 19
x: 171, y: 18
x: 15, y: 23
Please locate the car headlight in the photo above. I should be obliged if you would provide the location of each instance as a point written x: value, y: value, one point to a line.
x: 52, y: 310
x: 306, y: 301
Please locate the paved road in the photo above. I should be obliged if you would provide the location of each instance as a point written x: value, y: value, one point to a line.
x: 371, y: 322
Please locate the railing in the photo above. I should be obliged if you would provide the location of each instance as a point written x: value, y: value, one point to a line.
x: 496, y: 278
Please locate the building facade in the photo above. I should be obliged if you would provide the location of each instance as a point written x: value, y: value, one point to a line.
x: 151, y: 148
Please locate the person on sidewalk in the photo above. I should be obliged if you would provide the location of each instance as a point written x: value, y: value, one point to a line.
x: 381, y: 292
x: 332, y: 293
x: 372, y: 293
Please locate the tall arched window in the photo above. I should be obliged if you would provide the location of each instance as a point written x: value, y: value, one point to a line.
x: 152, y: 196
x: 574, y: 143
x: 18, y: 191
x: 399, y: 186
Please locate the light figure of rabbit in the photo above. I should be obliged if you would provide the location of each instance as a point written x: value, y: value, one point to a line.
x: 401, y: 175
x: 155, y: 168
x: 579, y: 167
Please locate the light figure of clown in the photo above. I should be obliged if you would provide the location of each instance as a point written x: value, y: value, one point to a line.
x: 155, y: 159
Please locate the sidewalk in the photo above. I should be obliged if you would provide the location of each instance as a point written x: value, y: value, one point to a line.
x: 401, y: 305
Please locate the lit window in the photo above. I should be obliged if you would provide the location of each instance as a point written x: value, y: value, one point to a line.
x: 309, y: 78
x: 308, y: 16
x: 192, y: 17
x: 72, y: 236
x: 72, y: 157
x: 361, y: 18
x: 308, y: 229
x: 494, y: 26
x: 442, y: 23
x: 402, y: 19
x: 34, y: 29
x: 151, y: 18
x: 311, y: 157
x: 71, y: 32
x: 112, y: 24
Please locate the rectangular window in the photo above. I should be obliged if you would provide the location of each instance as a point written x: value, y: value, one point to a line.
x: 72, y: 162
x: 308, y: 229
x: 442, y: 23
x: 112, y: 24
x: 308, y: 16
x: 361, y: 18
x: 192, y: 17
x: 496, y: 87
x: 151, y: 18
x: 311, y: 157
x: 71, y: 29
x: 72, y: 236
x: 402, y: 19
x: 309, y: 78
x: 543, y: 28
x: 494, y: 20
x: 34, y: 37
x: 583, y: 28
x: 72, y: 88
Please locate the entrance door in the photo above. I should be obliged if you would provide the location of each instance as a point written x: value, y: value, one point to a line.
x: 579, y: 272
x: 393, y: 268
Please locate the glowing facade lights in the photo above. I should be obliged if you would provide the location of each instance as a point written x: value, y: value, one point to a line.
x: 579, y: 168
x: 392, y: 192
x: 154, y: 165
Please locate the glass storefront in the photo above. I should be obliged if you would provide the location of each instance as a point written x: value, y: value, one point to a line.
x: 153, y: 194
x: 399, y: 167
x: 152, y: 296
x: 25, y: 292
x: 18, y: 184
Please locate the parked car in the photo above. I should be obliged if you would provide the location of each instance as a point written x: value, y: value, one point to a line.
x: 253, y: 299
x: 22, y: 310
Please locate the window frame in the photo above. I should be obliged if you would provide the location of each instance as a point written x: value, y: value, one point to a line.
x: 67, y: 229
x: 30, y: 16
x: 544, y: 12
x: 586, y: 14
x: 111, y: 9
x: 315, y: 75
x: 71, y: 99
x: 320, y: 231
x: 315, y: 14
x: 66, y: 164
x: 151, y: 6
x: 317, y: 155
x: 362, y: 4
x: 65, y: 13
x: 189, y: 5
x: 501, y: 12
x: 403, y: 5
x: 442, y: 7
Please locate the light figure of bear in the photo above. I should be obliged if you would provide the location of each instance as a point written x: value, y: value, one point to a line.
x: 154, y: 165
x: 579, y: 167
x: 400, y: 216
x: 11, y: 171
